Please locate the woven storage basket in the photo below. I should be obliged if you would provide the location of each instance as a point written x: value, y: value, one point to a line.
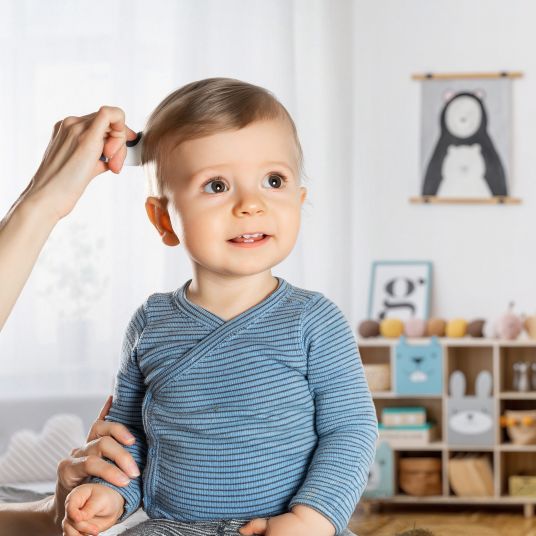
x: 378, y: 376
x: 524, y: 431
x: 420, y: 476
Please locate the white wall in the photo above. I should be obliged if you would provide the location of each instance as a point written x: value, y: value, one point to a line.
x: 483, y: 256
x: 60, y: 60
x: 343, y: 68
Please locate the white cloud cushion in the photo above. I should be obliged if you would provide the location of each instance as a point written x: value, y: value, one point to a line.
x: 34, y: 457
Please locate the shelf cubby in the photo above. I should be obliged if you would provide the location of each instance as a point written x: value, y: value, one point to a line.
x: 470, y: 360
x: 418, y: 452
x: 516, y: 463
x: 508, y: 355
x: 488, y: 454
x: 470, y: 356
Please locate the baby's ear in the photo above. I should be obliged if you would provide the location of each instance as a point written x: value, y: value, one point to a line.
x: 158, y: 214
x: 303, y: 193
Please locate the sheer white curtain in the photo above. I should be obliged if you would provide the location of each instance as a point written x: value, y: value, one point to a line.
x: 68, y: 57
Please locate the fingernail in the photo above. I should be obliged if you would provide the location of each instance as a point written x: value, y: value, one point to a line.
x: 134, y: 472
x: 129, y: 438
x: 124, y: 479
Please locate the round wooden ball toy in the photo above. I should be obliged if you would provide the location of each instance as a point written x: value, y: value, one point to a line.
x: 530, y: 326
x: 436, y: 326
x: 488, y: 329
x: 456, y: 328
x: 391, y: 328
x: 476, y: 327
x: 369, y: 328
x: 415, y: 327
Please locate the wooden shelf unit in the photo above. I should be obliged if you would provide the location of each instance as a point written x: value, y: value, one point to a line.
x: 470, y: 355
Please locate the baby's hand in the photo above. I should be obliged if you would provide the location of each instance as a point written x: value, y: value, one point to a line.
x: 90, y: 509
x: 289, y: 524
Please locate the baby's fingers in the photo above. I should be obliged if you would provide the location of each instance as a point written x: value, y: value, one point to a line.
x: 255, y: 526
x: 86, y: 527
x: 75, y: 504
x: 79, y: 529
x: 81, y: 505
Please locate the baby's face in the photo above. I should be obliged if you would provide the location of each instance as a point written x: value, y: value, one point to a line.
x: 236, y: 182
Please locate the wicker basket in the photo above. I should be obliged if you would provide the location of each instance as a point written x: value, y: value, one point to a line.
x: 420, y: 476
x: 378, y: 376
x: 521, y: 426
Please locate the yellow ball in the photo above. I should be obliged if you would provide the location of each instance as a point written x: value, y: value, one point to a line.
x: 456, y: 328
x: 391, y: 328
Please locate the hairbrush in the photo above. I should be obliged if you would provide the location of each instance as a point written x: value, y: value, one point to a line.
x: 133, y: 157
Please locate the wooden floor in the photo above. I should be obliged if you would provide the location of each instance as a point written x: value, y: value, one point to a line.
x: 390, y: 521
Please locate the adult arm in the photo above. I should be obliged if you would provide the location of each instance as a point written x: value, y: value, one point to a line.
x: 44, y: 517
x: 70, y: 162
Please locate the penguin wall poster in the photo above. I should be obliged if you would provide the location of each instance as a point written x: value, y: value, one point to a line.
x: 466, y: 137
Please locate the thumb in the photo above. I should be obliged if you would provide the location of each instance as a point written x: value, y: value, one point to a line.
x: 255, y: 526
x: 91, y: 508
x: 105, y: 409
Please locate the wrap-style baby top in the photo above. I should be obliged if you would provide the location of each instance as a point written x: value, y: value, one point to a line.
x: 245, y: 417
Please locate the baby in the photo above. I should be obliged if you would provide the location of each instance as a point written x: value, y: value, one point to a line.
x: 246, y: 394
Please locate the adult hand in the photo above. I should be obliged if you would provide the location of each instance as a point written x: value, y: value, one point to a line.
x: 70, y: 162
x: 44, y: 517
x: 103, y: 440
x: 71, y: 159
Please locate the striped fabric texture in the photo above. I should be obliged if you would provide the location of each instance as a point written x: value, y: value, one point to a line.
x: 245, y: 417
x: 164, y: 527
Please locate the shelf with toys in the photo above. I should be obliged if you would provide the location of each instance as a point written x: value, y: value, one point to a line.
x: 457, y: 414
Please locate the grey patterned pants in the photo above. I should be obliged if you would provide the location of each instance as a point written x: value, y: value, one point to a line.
x: 165, y: 527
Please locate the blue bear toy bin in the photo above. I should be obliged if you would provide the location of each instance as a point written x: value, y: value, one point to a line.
x: 381, y: 476
x: 418, y: 368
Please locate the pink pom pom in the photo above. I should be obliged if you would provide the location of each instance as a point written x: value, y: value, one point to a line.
x: 415, y: 327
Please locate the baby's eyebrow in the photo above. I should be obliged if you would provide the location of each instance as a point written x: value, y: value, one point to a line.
x: 226, y: 164
x: 282, y: 164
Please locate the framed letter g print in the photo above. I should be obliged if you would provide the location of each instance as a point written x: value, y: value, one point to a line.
x: 400, y: 289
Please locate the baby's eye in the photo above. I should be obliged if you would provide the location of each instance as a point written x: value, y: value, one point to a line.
x: 276, y: 180
x: 216, y: 186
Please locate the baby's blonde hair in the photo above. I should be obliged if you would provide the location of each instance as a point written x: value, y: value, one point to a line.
x: 203, y: 108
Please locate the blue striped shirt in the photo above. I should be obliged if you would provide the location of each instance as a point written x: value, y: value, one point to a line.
x: 245, y: 417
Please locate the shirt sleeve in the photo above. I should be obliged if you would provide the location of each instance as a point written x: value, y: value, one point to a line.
x: 345, y: 417
x: 126, y: 408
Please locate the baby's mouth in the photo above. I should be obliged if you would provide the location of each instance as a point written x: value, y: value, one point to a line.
x: 249, y: 238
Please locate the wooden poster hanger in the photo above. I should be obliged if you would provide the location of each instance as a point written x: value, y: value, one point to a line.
x: 446, y: 76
